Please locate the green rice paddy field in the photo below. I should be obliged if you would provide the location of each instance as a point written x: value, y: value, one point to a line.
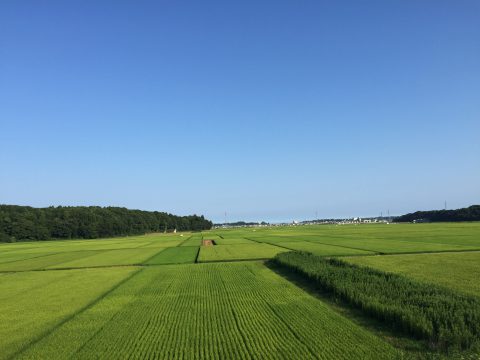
x: 169, y: 296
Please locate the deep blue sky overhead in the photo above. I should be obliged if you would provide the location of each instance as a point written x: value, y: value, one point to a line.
x: 269, y: 110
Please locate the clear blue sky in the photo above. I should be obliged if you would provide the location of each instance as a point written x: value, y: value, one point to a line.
x: 269, y: 110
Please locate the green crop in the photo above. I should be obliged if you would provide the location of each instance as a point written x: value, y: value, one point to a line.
x: 458, y: 271
x: 322, y: 249
x: 55, y: 304
x: 233, y: 241
x: 175, y: 255
x: 209, y: 311
x: 238, y: 252
x: 442, y: 317
x: 34, y: 303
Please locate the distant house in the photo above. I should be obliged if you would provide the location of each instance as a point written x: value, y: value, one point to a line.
x: 417, y: 221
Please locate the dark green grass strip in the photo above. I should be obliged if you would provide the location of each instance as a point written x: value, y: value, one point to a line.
x: 424, y: 252
x: 443, y: 318
x: 184, y: 241
x: 214, y: 261
x: 232, y: 260
x: 412, y: 252
x: 70, y: 317
x: 151, y: 257
x: 29, y: 258
x: 134, y: 265
x: 72, y: 251
x: 316, y: 242
x: 73, y: 268
x: 269, y: 243
x: 196, y: 256
x: 375, y: 252
x: 175, y: 255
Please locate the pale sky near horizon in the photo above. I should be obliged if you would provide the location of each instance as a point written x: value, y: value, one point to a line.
x: 269, y: 110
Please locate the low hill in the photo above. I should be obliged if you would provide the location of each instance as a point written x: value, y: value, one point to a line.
x: 471, y: 213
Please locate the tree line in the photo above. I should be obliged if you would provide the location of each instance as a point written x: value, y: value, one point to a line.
x: 25, y: 223
x: 443, y: 318
x: 242, y: 223
x: 471, y: 213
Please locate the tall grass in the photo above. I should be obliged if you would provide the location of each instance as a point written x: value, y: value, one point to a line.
x: 445, y: 319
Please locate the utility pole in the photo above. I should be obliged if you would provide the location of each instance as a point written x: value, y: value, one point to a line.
x: 225, y: 218
x: 445, y: 204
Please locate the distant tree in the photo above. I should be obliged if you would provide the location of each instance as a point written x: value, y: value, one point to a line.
x: 471, y: 213
x: 26, y: 223
x: 5, y: 238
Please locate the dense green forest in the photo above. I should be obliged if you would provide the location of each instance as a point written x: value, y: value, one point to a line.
x: 444, y: 319
x: 471, y: 213
x: 24, y: 223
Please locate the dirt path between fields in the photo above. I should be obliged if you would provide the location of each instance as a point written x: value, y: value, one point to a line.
x: 207, y: 242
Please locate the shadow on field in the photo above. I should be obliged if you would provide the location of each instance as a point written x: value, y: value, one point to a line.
x: 414, y: 349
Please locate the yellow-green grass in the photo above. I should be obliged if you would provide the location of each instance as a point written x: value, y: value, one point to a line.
x: 162, y: 240
x: 86, y: 245
x: 210, y: 311
x: 73, y: 253
x: 233, y: 233
x: 448, y: 236
x: 277, y: 238
x: 194, y: 240
x: 390, y: 246
x: 175, y: 255
x: 111, y: 258
x: 199, y: 292
x: 321, y: 249
x: 458, y: 271
x: 233, y: 241
x: 163, y: 244
x: 370, y: 244
x: 43, y: 262
x: 238, y: 252
x: 12, y: 256
x: 34, y: 303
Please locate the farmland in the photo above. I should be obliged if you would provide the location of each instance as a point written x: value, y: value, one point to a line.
x: 238, y: 252
x: 443, y: 318
x: 33, y: 302
x: 458, y: 271
x: 168, y: 296
x: 210, y: 311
